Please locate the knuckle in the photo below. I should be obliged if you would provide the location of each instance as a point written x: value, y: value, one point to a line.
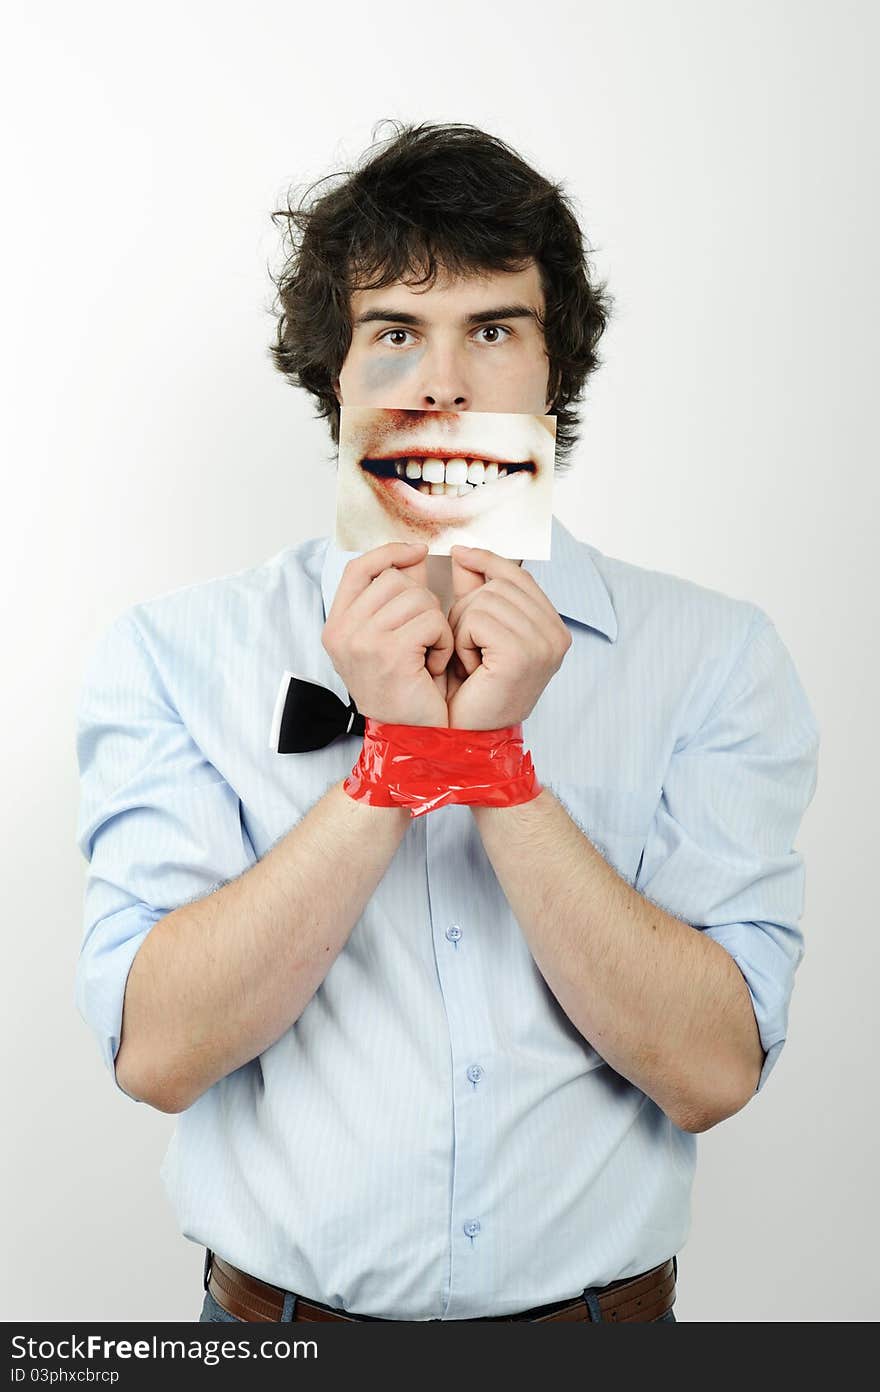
x: 392, y: 582
x: 380, y: 582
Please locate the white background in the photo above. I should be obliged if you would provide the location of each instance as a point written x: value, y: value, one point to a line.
x: 721, y: 160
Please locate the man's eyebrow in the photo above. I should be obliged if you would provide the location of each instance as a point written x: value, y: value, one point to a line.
x: 484, y: 316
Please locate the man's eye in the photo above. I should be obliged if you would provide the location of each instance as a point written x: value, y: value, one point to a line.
x: 392, y: 331
x: 495, y: 328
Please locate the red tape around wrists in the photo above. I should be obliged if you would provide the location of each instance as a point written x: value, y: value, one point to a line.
x: 427, y: 766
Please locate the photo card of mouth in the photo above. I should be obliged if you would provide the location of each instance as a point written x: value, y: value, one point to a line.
x: 448, y: 478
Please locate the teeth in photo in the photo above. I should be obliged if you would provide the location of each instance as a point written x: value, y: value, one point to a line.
x: 456, y: 471
x: 449, y: 477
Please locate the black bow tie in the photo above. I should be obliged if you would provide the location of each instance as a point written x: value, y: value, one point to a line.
x: 310, y: 716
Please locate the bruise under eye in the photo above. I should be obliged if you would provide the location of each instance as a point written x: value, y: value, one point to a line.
x: 379, y: 370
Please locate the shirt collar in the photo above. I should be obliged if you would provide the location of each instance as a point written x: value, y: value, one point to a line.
x: 570, y: 579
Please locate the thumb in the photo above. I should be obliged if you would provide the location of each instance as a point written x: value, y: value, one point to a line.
x: 416, y: 568
x: 464, y: 581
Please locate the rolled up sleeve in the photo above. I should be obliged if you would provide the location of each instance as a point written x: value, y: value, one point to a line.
x: 721, y: 852
x: 158, y: 825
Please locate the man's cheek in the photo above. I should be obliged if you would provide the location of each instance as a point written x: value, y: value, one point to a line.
x: 380, y: 377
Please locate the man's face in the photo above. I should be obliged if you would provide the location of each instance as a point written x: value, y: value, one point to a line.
x: 448, y: 348
x: 467, y: 345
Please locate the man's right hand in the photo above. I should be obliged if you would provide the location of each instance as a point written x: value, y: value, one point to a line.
x: 383, y: 621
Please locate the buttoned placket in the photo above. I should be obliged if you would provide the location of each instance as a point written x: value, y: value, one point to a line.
x: 459, y: 948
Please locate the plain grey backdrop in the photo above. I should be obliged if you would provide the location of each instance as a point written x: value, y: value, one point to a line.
x: 722, y: 158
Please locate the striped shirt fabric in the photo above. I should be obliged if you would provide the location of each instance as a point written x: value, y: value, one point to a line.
x: 433, y: 1138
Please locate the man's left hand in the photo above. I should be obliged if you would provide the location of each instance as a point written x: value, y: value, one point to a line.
x: 509, y: 641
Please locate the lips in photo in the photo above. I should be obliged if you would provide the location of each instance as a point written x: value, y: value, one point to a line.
x: 437, y: 483
x: 479, y: 478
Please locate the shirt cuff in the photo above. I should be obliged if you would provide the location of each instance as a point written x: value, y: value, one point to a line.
x: 767, y: 955
x: 102, y: 973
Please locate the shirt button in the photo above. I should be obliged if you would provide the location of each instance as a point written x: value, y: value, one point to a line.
x: 472, y: 1227
x: 475, y: 1072
x: 453, y: 932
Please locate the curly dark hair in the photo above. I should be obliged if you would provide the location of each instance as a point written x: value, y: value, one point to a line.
x: 436, y: 198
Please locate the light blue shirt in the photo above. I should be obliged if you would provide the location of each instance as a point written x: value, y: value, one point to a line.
x: 433, y: 1138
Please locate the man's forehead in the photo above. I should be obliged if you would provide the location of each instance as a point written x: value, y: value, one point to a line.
x: 476, y: 289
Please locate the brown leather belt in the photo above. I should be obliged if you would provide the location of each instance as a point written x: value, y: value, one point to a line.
x: 638, y: 1298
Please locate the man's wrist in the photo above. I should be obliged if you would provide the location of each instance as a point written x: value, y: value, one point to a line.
x: 424, y: 767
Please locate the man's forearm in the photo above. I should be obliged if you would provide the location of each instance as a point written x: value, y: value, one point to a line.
x: 664, y: 1005
x: 216, y: 982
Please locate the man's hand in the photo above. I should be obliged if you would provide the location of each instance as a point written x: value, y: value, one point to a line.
x: 383, y: 621
x: 509, y: 641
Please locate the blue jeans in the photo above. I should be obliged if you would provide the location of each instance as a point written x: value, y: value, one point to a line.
x: 212, y: 1313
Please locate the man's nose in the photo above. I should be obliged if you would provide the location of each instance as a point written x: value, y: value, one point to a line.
x: 443, y: 384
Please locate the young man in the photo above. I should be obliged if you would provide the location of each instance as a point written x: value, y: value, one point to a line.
x: 451, y: 1066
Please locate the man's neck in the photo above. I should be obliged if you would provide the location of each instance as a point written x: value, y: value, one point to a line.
x: 440, y: 580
